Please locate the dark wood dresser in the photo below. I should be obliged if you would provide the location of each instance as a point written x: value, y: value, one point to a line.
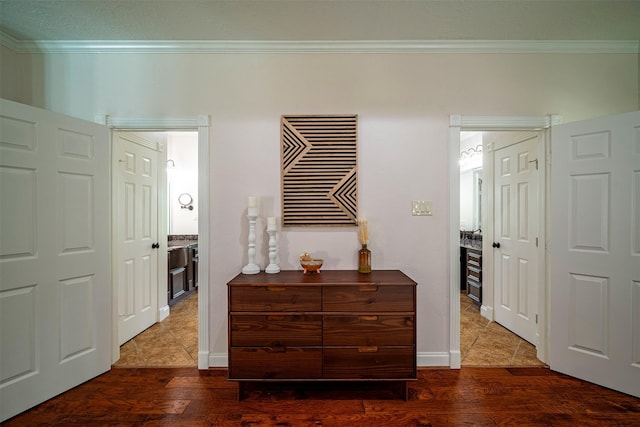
x: 339, y: 325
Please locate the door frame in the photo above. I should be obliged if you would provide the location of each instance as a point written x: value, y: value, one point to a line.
x: 457, y: 124
x: 200, y: 124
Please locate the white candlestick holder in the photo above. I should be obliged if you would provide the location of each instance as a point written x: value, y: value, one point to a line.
x: 252, y: 267
x: 273, y: 249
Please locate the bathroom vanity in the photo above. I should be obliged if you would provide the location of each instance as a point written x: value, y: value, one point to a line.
x: 182, y: 258
x: 471, y: 265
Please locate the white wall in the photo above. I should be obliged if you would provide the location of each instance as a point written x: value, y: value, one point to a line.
x: 403, y: 102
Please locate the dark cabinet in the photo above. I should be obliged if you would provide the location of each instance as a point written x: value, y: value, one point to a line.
x: 183, y: 275
x: 474, y: 275
x: 193, y: 266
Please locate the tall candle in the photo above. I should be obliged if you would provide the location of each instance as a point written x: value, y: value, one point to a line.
x: 253, y: 202
x: 271, y: 222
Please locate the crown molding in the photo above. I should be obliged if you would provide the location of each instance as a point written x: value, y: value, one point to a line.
x: 331, y: 46
x: 134, y: 123
x: 492, y: 123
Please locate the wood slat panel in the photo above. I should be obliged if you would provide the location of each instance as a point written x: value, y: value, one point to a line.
x: 319, y: 170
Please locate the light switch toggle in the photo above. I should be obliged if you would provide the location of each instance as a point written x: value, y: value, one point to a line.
x: 421, y: 208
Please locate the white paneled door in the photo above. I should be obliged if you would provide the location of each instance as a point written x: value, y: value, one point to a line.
x: 136, y: 230
x: 595, y: 251
x: 515, y: 236
x: 55, y: 277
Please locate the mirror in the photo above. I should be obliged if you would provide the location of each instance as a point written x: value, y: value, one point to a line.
x: 471, y: 200
x: 471, y: 149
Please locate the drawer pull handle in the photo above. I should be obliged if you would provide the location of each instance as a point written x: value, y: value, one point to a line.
x: 369, y: 288
x: 368, y: 317
x: 276, y: 288
x: 277, y: 349
x: 275, y: 318
x: 368, y: 349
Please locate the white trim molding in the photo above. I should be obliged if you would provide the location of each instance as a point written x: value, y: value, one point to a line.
x: 315, y: 46
x: 432, y: 359
x: 218, y: 360
x: 127, y: 123
x: 489, y: 123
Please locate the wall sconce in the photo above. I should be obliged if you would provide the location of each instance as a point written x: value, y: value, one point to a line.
x: 186, y: 201
x: 471, y: 158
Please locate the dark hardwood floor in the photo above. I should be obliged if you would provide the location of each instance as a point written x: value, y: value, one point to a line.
x: 440, y: 397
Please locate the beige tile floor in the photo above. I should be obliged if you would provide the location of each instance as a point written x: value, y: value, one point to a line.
x: 486, y: 343
x: 170, y: 343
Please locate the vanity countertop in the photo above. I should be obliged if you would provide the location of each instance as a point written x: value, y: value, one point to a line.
x: 470, y: 240
x: 172, y: 244
x: 181, y: 241
x: 477, y: 245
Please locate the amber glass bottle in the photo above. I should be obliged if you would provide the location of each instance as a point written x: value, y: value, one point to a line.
x: 364, y: 260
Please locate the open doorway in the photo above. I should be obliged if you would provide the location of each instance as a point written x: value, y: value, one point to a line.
x: 490, y: 254
x: 169, y: 337
x: 487, y: 339
x: 200, y: 126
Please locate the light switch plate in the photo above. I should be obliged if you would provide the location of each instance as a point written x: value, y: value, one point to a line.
x: 421, y: 208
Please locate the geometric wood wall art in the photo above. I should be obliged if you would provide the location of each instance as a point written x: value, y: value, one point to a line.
x: 319, y: 170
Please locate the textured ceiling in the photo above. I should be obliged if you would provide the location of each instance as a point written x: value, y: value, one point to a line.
x: 320, y: 19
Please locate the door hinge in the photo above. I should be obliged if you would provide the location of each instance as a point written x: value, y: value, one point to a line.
x: 536, y: 319
x: 536, y: 242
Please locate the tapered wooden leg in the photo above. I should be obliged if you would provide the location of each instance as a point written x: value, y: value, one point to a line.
x: 240, y: 390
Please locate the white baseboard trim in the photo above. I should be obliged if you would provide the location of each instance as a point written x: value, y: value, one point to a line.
x: 433, y: 359
x: 163, y: 312
x: 455, y: 359
x: 486, y: 311
x: 204, y: 360
x: 218, y: 360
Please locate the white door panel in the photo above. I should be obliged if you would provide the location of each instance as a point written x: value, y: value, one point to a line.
x: 136, y: 223
x: 515, y: 230
x: 55, y: 281
x: 595, y: 251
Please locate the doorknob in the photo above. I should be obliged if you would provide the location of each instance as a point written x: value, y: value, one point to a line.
x: 155, y: 245
x: 496, y: 244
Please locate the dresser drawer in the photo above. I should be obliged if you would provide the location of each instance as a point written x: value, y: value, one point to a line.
x: 368, y: 330
x: 275, y: 363
x: 369, y: 362
x: 368, y: 298
x: 275, y: 330
x: 275, y: 298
